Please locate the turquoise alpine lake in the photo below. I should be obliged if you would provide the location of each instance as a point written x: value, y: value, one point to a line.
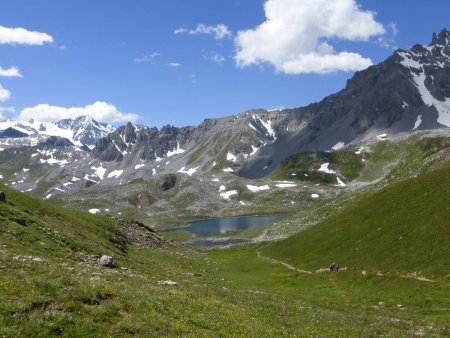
x: 220, y: 226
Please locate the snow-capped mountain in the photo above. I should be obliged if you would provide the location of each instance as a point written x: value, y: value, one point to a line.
x: 408, y: 92
x: 86, y: 130
x: 82, y: 131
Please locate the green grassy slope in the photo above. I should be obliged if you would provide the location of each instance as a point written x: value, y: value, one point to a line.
x: 305, y: 166
x: 52, y: 285
x: 405, y: 227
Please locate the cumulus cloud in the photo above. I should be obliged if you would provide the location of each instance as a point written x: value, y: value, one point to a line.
x: 297, y: 35
x: 5, y: 94
x: 10, y: 72
x: 173, y: 64
x: 21, y: 36
x: 219, y: 32
x: 100, y: 111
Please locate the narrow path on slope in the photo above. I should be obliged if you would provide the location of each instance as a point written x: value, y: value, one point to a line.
x: 287, y: 265
x: 293, y: 268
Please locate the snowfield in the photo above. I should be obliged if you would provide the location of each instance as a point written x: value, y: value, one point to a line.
x: 254, y: 188
x: 115, y: 173
x: 189, y: 172
x: 324, y: 168
x: 227, y: 194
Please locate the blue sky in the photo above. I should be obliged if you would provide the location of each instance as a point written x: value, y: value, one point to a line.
x: 125, y: 53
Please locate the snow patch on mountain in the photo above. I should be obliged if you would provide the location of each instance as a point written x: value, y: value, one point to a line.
x: 99, y: 171
x: 267, y: 125
x: 340, y: 183
x: 286, y: 184
x: 231, y: 157
x: 418, y: 122
x: 254, y: 188
x: 115, y: 173
x: 189, y: 172
x: 227, y: 194
x: 176, y: 151
x: 254, y: 150
x: 338, y: 146
x: 443, y: 107
x: 324, y: 168
x: 53, y: 161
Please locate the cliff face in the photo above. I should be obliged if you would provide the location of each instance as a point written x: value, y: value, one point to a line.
x: 409, y: 91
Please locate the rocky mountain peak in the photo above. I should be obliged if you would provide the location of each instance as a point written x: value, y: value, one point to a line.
x: 442, y: 39
x: 129, y: 133
x: 83, y: 131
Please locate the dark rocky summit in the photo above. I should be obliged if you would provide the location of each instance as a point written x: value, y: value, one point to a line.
x: 169, y: 182
x: 12, y: 133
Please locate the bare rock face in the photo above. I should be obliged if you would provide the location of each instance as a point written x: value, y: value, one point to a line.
x: 409, y: 91
x: 169, y: 182
x: 108, y: 261
x: 2, y: 197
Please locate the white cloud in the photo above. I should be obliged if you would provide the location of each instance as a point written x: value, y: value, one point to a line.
x: 10, y: 72
x: 214, y: 57
x: 388, y: 41
x: 21, y: 36
x: 7, y: 110
x: 296, y: 36
x: 5, y: 94
x: 146, y: 58
x: 393, y: 28
x: 174, y: 64
x: 220, y: 31
x: 100, y: 111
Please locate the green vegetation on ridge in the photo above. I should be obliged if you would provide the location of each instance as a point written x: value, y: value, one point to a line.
x: 393, y: 241
x: 404, y: 227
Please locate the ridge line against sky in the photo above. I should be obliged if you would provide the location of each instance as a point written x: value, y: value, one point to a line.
x: 136, y: 63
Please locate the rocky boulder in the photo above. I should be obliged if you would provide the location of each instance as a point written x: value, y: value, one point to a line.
x: 108, y: 261
x: 169, y: 182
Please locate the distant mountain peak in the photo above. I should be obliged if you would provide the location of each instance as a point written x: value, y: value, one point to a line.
x: 443, y: 38
x: 82, y: 131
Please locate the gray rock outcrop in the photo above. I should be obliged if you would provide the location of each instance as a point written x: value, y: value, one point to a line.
x: 108, y: 261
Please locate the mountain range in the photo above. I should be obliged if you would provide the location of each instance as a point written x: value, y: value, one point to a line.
x: 83, y: 131
x: 407, y: 93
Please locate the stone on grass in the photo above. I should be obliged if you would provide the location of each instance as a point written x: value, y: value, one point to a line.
x: 167, y: 283
x: 108, y: 261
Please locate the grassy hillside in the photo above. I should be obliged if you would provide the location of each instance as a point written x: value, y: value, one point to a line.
x: 404, y: 227
x: 51, y: 283
x: 304, y: 166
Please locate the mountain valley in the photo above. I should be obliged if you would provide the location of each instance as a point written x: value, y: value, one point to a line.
x: 361, y: 178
